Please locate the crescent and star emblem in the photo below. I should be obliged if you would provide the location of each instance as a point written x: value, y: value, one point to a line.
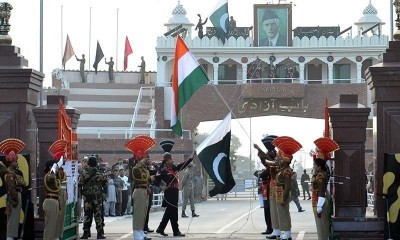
x: 223, y: 20
x: 216, y: 162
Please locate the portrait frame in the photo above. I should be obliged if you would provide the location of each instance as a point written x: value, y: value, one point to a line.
x: 284, y: 13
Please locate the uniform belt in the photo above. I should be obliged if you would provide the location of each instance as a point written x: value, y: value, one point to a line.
x: 52, y: 196
x: 143, y: 187
x: 18, y: 189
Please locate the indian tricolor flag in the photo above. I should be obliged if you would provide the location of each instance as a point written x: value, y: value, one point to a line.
x: 188, y: 76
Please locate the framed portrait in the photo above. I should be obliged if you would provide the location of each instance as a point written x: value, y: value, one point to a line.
x: 272, y: 25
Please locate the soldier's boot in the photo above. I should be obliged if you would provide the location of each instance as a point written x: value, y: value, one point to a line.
x: 100, y: 234
x: 184, y: 214
x: 194, y: 214
x: 86, y: 235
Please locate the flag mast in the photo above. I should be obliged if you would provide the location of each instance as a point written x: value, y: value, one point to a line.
x: 62, y: 30
x: 116, y: 50
x: 90, y: 31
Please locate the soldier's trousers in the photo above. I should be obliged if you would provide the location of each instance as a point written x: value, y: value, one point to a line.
x: 13, y: 219
x: 51, y: 210
x: 61, y: 216
x: 273, y: 213
x: 93, y: 208
x: 188, y: 196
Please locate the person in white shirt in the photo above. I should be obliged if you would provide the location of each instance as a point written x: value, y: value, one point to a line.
x: 125, y: 194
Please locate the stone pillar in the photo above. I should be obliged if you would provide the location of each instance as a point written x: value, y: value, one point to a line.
x: 47, y: 124
x: 330, y: 73
x: 215, y: 73
x: 301, y: 69
x: 349, y: 122
x: 383, y: 81
x: 19, y: 94
x: 359, y: 67
x: 244, y: 73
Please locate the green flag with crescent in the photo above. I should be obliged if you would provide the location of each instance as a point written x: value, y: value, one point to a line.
x: 213, y: 153
x: 220, y: 19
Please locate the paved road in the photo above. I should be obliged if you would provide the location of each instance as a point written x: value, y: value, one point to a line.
x: 231, y: 219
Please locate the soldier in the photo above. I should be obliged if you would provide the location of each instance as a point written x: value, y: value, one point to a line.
x: 58, y: 149
x: 93, y: 186
x: 14, y: 182
x: 140, y: 176
x: 140, y: 196
x: 268, y: 186
x: 319, y: 181
x: 168, y: 173
x: 82, y: 67
x: 304, y: 184
x: 188, y: 191
x: 51, y: 205
x: 287, y: 147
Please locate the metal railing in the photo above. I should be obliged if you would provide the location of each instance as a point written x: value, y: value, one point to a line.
x: 126, y: 133
x: 137, y: 106
x: 275, y: 80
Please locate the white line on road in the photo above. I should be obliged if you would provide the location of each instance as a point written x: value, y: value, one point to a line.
x: 300, y: 236
x: 124, y: 236
x: 235, y: 221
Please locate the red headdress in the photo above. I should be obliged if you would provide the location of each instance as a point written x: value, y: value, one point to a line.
x: 58, y: 149
x: 11, y: 147
x: 325, y: 146
x: 287, y: 147
x: 140, y: 145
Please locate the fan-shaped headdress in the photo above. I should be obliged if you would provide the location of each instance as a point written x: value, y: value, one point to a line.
x: 140, y: 145
x: 11, y: 147
x: 58, y: 148
x: 287, y: 147
x: 325, y: 146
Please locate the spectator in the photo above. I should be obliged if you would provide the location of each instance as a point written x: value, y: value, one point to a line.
x: 109, y: 209
x: 118, y: 193
x: 124, y: 191
x: 305, y: 179
x: 295, y: 192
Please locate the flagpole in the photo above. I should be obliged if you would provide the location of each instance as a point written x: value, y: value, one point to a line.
x: 116, y: 50
x: 62, y: 31
x: 90, y: 32
x: 41, y: 50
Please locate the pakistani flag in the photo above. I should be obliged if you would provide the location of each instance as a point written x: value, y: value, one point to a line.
x: 187, y: 78
x: 214, y: 156
x: 220, y: 19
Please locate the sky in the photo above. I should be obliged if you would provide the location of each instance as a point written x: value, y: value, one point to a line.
x: 143, y: 22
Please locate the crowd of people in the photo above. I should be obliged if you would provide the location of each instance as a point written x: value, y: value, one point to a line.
x: 127, y: 188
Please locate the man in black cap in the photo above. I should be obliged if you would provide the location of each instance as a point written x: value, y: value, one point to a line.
x: 271, y: 25
x: 168, y: 173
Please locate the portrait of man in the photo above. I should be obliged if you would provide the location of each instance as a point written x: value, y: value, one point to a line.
x: 273, y: 25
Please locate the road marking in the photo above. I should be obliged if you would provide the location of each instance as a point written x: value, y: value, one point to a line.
x: 124, y: 236
x: 300, y: 236
x: 235, y: 221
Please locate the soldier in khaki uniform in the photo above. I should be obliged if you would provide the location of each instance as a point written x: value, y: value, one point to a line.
x: 139, y: 146
x: 287, y: 147
x: 319, y: 183
x: 14, y: 182
x: 58, y: 150
x: 51, y: 206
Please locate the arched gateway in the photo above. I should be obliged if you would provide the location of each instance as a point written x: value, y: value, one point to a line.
x: 256, y: 100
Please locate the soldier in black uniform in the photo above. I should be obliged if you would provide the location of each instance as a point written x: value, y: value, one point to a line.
x: 93, y: 186
x: 168, y: 173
